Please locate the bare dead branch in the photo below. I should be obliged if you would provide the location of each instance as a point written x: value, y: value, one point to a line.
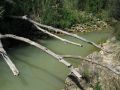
x: 53, y: 35
x: 8, y: 60
x: 59, y: 30
x: 58, y: 57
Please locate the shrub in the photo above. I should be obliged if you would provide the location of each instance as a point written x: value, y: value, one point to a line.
x: 58, y: 14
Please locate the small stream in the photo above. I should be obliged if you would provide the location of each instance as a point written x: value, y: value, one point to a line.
x: 40, y: 71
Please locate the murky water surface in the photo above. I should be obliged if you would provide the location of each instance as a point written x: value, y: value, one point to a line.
x: 40, y: 71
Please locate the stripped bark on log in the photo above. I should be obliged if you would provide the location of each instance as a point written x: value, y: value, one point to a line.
x: 8, y: 60
x: 58, y: 57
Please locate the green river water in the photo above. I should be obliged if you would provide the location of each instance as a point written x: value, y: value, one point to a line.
x: 38, y: 70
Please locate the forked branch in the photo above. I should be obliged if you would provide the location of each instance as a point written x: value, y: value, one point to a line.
x: 58, y: 57
x: 58, y: 30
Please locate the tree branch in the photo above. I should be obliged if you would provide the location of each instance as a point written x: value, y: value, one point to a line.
x: 8, y: 60
x: 53, y: 35
x: 107, y: 66
x: 59, y: 30
x: 58, y: 57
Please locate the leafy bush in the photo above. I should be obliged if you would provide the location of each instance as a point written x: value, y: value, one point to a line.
x: 58, y: 15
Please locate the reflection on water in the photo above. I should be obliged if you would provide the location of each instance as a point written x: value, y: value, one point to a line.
x: 38, y: 70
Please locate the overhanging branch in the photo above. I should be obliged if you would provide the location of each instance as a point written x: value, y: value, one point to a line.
x: 8, y: 60
x: 58, y: 57
x: 59, y: 30
x: 53, y: 35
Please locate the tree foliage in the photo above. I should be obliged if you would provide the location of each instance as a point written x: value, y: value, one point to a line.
x: 58, y: 13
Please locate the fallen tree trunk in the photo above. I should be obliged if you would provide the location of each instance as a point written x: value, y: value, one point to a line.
x: 58, y: 57
x: 8, y: 60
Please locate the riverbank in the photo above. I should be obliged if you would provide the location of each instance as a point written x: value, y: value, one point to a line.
x: 41, y: 71
x: 86, y: 28
x: 95, y: 77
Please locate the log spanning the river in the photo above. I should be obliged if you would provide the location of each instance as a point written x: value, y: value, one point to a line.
x: 8, y: 60
x: 59, y: 30
x: 58, y: 57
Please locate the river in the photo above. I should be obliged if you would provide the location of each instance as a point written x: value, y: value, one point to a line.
x: 40, y: 71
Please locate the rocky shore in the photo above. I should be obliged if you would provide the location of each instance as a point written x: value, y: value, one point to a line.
x: 96, y: 77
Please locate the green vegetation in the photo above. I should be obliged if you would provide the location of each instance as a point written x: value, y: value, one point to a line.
x: 58, y: 13
x: 97, y: 87
x: 116, y: 15
x: 61, y: 14
x: 64, y: 13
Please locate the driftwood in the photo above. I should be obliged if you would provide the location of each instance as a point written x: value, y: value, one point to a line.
x: 107, y: 66
x: 67, y: 33
x: 53, y: 35
x: 58, y: 57
x: 59, y: 30
x: 8, y: 60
